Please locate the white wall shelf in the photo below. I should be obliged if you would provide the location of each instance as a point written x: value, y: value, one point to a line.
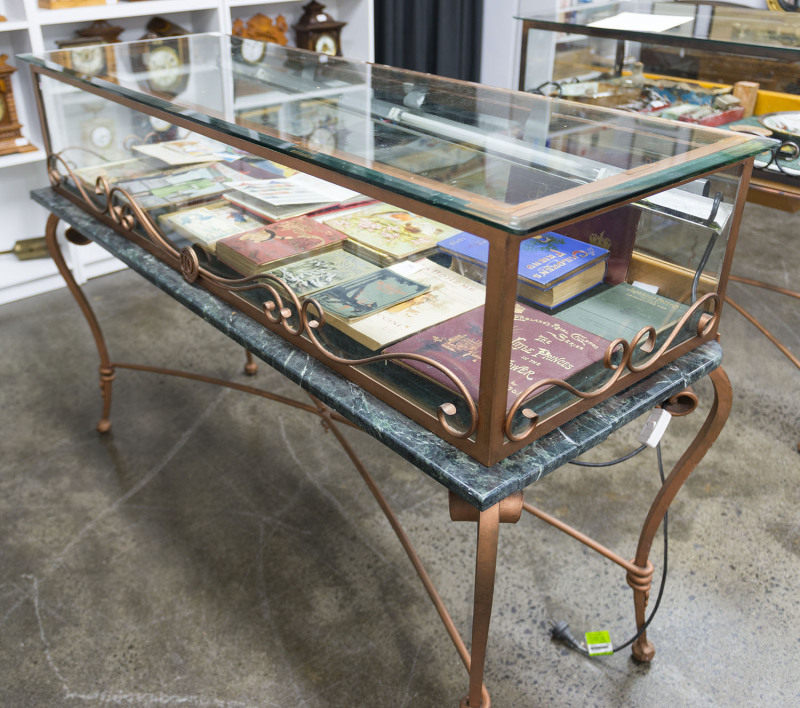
x: 32, y: 29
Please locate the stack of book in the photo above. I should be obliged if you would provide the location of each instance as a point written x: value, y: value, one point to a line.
x: 385, y: 234
x: 447, y: 294
x: 260, y: 250
x: 552, y: 268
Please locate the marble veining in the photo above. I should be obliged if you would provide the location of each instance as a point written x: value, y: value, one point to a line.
x: 480, y: 485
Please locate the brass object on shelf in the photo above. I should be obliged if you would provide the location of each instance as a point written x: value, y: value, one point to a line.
x: 11, y: 138
x: 262, y: 28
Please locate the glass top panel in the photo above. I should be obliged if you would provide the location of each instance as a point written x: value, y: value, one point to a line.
x: 741, y: 28
x: 512, y: 160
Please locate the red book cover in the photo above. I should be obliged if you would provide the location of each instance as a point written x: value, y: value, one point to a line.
x: 252, y: 251
x: 542, y: 347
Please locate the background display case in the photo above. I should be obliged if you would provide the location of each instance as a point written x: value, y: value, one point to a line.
x: 490, y: 263
x: 30, y: 27
x: 685, y: 61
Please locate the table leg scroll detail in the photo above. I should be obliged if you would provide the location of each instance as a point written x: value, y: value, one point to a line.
x: 642, y: 649
x: 106, y: 367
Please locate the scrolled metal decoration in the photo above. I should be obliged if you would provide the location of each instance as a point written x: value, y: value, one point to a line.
x: 644, y: 341
x: 280, y: 308
x: 190, y: 265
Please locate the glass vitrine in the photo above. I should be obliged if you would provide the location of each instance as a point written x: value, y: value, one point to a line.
x: 489, y: 262
x: 732, y: 67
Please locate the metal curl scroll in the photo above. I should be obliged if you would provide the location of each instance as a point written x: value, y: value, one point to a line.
x: 645, y: 340
x: 281, y: 309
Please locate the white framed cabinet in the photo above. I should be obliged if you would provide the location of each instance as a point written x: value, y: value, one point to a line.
x: 29, y: 28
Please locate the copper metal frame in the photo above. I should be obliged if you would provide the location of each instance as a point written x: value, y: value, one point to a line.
x: 490, y: 441
x: 639, y: 571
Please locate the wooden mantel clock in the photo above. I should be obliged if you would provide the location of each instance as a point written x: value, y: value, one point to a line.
x: 318, y: 31
x: 11, y: 138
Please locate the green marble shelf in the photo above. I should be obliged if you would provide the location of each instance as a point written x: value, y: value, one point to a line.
x: 479, y: 485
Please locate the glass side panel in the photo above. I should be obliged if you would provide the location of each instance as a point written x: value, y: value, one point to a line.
x: 595, y: 298
x: 511, y: 160
x: 740, y: 27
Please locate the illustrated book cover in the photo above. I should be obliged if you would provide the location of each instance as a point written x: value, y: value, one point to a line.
x: 269, y: 211
x: 206, y: 225
x: 391, y: 231
x: 449, y: 294
x: 265, y: 248
x: 323, y: 270
x: 552, y: 268
x: 542, y: 347
x: 369, y: 294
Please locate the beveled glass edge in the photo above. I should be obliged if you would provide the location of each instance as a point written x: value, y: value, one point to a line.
x: 517, y: 219
x: 550, y: 22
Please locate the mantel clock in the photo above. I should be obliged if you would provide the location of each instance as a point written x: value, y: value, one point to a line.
x: 318, y: 31
x: 11, y: 138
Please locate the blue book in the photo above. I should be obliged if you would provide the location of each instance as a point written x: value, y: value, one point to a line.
x: 544, y: 261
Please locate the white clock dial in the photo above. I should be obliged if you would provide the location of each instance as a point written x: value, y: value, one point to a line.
x: 253, y: 50
x: 159, y: 125
x: 88, y: 60
x: 101, y: 136
x: 164, y: 67
x: 325, y: 44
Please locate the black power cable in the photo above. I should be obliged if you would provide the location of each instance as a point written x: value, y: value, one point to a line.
x: 560, y: 630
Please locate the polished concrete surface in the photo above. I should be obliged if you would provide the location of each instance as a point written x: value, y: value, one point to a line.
x: 217, y: 550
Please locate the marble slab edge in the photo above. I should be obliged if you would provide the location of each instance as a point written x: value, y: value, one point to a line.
x: 481, y: 486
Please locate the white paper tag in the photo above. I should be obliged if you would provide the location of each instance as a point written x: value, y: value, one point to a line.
x: 599, y: 643
x: 406, y: 268
x: 19, y: 142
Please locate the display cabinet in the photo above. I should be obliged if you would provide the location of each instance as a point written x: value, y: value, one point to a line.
x: 30, y: 27
x: 489, y: 263
x: 733, y: 67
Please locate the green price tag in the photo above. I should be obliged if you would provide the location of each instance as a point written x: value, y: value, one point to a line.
x: 599, y: 643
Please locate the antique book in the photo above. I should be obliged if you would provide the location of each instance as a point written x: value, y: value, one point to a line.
x: 389, y: 231
x: 613, y: 230
x: 450, y: 294
x: 186, y: 151
x: 132, y: 168
x: 368, y: 294
x: 268, y: 211
x: 278, y: 243
x: 206, y: 225
x: 552, y: 268
x: 322, y: 270
x: 542, y: 347
x: 294, y: 190
x: 622, y: 310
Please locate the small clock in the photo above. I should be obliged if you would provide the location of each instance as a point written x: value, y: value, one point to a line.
x: 11, y: 138
x: 318, y: 31
x: 89, y: 56
x: 162, y: 62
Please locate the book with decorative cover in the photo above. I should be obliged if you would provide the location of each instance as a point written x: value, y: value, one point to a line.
x: 391, y: 231
x: 369, y: 294
x: 622, y: 310
x: 542, y: 347
x: 449, y: 295
x: 281, y: 242
x: 322, y: 270
x: 544, y: 260
x: 206, y: 225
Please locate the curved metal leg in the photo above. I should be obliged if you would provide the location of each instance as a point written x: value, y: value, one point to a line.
x: 106, y: 367
x: 251, y: 366
x: 642, y: 649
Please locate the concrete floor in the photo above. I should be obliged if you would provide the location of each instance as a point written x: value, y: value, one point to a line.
x: 216, y: 550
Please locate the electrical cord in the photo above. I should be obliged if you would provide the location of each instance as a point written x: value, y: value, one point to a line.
x: 633, y: 453
x: 560, y: 631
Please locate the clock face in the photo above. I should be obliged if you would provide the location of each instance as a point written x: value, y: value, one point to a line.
x: 159, y: 125
x: 101, y: 136
x: 88, y: 60
x: 253, y: 50
x: 164, y: 66
x: 322, y: 139
x: 325, y: 44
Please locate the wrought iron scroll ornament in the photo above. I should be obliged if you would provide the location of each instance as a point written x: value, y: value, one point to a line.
x: 284, y: 306
x: 645, y: 341
x: 284, y: 309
